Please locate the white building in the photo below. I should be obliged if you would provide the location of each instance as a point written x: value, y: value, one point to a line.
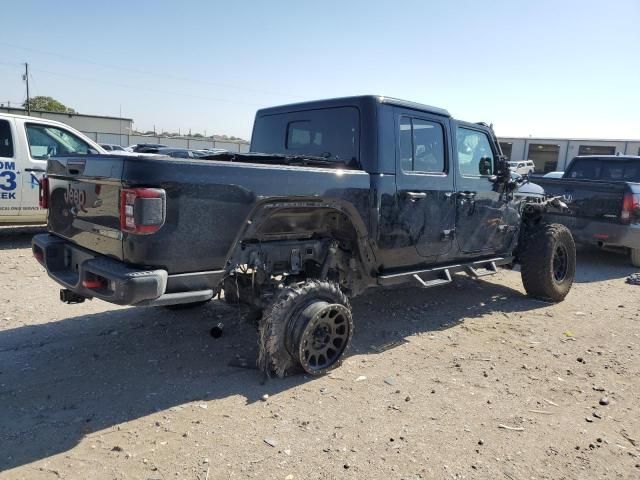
x: 118, y: 131
x: 551, y: 154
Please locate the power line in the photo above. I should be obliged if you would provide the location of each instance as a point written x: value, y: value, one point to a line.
x: 152, y: 74
x: 145, y: 89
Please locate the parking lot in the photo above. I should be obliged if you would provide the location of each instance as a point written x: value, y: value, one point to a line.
x: 473, y: 380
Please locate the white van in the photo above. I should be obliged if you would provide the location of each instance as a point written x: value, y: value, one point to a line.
x: 25, y: 145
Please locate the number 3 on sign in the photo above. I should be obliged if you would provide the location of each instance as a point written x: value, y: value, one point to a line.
x: 7, y: 181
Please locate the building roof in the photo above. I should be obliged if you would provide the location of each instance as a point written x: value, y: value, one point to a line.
x: 15, y: 109
x: 569, y: 139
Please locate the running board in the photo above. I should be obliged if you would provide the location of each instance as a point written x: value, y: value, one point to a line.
x: 442, y: 274
x: 490, y: 268
x: 445, y: 277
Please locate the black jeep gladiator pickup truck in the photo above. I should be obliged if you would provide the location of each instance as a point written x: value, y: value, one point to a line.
x: 602, y: 194
x: 345, y: 194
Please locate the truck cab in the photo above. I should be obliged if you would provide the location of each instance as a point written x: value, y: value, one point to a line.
x: 26, y: 143
x: 432, y: 177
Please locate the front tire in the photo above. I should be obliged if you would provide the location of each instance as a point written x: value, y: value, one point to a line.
x: 549, y: 262
x: 308, y: 326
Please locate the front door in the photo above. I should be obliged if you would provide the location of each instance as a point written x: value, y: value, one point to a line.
x: 10, y: 188
x: 485, y: 222
x: 424, y: 195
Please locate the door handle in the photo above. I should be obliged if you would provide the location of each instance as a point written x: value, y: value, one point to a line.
x: 467, y: 195
x: 416, y: 195
x: 38, y: 170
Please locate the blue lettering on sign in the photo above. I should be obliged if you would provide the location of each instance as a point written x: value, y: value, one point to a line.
x: 8, y: 165
x: 35, y: 181
x: 8, y: 181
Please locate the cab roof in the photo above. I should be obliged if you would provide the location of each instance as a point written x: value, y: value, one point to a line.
x: 353, y: 101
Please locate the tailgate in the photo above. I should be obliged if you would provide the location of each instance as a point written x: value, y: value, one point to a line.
x: 588, y: 199
x: 84, y: 201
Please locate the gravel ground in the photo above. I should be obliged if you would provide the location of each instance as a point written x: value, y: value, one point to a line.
x: 473, y: 380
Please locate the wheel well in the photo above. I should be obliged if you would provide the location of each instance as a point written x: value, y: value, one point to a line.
x: 306, y: 222
x: 298, y: 243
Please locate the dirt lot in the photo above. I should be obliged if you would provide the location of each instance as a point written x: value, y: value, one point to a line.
x: 473, y: 380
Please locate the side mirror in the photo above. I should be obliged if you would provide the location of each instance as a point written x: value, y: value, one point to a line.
x: 485, y: 166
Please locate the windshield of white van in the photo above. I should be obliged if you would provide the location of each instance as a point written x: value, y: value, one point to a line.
x: 48, y: 141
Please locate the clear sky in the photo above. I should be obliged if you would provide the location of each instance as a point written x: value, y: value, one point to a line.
x: 531, y: 67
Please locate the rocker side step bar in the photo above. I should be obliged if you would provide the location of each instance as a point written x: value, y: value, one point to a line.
x: 441, y: 275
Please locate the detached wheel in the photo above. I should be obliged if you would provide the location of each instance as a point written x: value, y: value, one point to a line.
x: 308, y: 326
x: 549, y: 263
x: 635, y: 257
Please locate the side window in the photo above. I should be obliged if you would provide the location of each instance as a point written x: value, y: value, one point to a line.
x: 475, y: 157
x: 421, y: 145
x: 47, y: 141
x: 6, y: 140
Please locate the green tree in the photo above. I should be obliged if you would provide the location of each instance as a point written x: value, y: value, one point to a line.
x: 48, y: 104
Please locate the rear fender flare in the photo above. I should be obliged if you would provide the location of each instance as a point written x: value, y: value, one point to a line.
x: 255, y: 228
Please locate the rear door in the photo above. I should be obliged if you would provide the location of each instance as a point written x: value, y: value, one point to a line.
x: 10, y: 191
x: 485, y: 222
x: 424, y: 195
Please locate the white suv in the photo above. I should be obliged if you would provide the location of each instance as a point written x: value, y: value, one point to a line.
x: 523, y: 167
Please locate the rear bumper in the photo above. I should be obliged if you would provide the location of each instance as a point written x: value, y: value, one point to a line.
x: 603, y: 233
x: 90, y: 274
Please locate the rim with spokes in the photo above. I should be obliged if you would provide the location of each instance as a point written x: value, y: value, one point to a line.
x: 560, y: 263
x: 321, y: 334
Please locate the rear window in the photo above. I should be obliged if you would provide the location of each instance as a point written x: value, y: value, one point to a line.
x: 606, y: 170
x: 332, y: 133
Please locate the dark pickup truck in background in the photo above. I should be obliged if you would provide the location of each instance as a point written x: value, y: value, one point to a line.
x: 348, y: 194
x: 603, y: 198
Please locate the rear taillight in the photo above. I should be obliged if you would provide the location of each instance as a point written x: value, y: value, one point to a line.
x: 630, y: 208
x: 142, y: 210
x: 43, y: 193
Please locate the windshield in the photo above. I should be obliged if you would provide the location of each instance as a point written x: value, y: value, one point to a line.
x: 331, y: 133
x: 47, y: 141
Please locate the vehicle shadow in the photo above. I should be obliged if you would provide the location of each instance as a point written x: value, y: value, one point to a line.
x: 594, y: 265
x: 64, y: 379
x: 17, y: 237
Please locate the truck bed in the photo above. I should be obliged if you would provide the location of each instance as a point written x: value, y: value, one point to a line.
x: 208, y: 202
x: 588, y: 199
x: 595, y: 214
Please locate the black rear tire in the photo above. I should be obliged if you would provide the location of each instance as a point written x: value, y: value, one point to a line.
x: 308, y: 326
x: 549, y: 262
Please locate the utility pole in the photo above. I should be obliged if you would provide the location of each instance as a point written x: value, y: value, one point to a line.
x: 26, y: 79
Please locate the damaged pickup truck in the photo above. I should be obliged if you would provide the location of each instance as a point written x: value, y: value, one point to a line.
x: 345, y: 194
